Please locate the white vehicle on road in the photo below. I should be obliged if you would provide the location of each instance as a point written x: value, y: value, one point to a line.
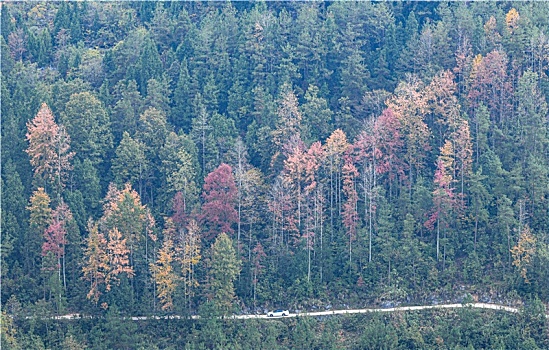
x: 278, y: 313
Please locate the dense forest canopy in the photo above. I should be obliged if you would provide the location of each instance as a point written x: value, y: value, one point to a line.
x: 218, y: 157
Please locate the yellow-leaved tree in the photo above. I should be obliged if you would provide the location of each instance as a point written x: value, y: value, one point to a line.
x: 119, y: 261
x: 523, y: 252
x: 104, y: 260
x: 188, y: 253
x: 96, y: 261
x: 163, y: 270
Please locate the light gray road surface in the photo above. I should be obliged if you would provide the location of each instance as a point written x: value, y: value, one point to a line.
x: 325, y: 313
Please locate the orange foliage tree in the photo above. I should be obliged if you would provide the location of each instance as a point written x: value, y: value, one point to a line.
x: 48, y: 149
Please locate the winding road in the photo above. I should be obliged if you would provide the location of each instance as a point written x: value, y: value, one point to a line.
x: 392, y: 309
x: 327, y: 313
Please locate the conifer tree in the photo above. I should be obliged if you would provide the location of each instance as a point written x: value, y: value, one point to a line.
x: 40, y: 219
x: 317, y: 116
x: 152, y: 130
x: 182, y: 113
x: 56, y: 237
x: 125, y: 216
x: 119, y: 260
x: 289, y: 116
x: 523, y: 252
x: 179, y: 168
x: 224, y: 270
x: 443, y: 197
x: 125, y: 112
x: 163, y: 270
x: 149, y: 65
x: 201, y: 129
x: 49, y: 146
x: 334, y: 149
x: 89, y: 126
x: 131, y: 164
x: 96, y: 261
x: 188, y: 254
x: 410, y: 106
x: 350, y: 215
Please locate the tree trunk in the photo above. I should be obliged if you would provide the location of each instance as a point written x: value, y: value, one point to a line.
x: 64, y: 275
x: 331, y: 200
x: 309, y: 266
x: 438, y: 237
x: 239, y: 201
x: 321, y: 242
x: 350, y: 249
x: 509, y: 246
x: 255, y: 285
x: 389, y: 272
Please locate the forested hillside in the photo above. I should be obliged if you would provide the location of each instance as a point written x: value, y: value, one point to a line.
x: 216, y: 157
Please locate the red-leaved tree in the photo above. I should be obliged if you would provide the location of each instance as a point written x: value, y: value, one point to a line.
x: 179, y: 216
x: 219, y: 195
x: 491, y: 85
x: 379, y: 152
x: 54, y: 243
x: 55, y: 239
x: 443, y: 196
x: 350, y: 215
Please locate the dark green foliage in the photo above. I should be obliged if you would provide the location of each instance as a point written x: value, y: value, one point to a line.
x: 148, y: 65
x: 7, y: 24
x: 224, y: 269
x: 460, y: 329
x: 125, y: 112
x: 157, y: 94
x: 40, y: 47
x: 182, y: 111
x: 89, y: 126
x: 317, y: 116
x: 87, y: 181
